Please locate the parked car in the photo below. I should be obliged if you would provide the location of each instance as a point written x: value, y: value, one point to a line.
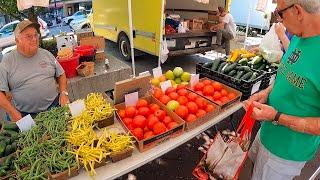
x: 7, y: 32
x: 76, y: 15
x: 78, y: 24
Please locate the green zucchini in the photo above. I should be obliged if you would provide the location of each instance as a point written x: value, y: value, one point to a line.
x: 257, y: 66
x: 257, y: 60
x: 11, y: 126
x: 246, y: 76
x: 262, y: 67
x: 3, y: 172
x: 224, y: 67
x: 229, y: 68
x: 253, y: 76
x: 7, y: 151
x: 245, y: 68
x: 2, y: 148
x: 221, y: 66
x: 232, y: 73
x: 215, y: 64
x: 243, y: 61
x: 239, y: 74
x: 8, y: 161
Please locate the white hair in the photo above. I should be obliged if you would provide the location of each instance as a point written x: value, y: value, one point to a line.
x: 311, y: 6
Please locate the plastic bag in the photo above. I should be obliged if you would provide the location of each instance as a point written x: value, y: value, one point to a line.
x: 181, y: 29
x: 164, y: 51
x: 270, y: 46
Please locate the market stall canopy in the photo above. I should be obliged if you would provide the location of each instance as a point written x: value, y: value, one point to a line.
x: 25, y: 4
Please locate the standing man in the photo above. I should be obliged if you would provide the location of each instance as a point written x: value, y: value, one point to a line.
x: 32, y: 75
x: 290, y: 109
x: 226, y: 29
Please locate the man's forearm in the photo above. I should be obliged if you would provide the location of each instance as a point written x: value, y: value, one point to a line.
x: 62, y: 82
x: 6, y: 105
x: 308, y: 125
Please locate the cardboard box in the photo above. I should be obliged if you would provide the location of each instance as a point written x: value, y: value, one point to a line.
x: 96, y: 41
x: 83, y: 33
x: 100, y: 56
x: 141, y: 84
x: 196, y: 24
x: 226, y: 105
x: 74, y: 171
x: 212, y: 17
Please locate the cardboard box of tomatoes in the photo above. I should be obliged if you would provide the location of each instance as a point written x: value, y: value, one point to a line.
x: 190, y: 107
x: 217, y: 92
x: 147, y: 121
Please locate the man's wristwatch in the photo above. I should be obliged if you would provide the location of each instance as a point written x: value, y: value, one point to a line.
x: 65, y: 93
x: 275, y: 121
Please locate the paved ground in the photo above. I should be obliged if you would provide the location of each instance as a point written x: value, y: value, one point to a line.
x: 179, y: 163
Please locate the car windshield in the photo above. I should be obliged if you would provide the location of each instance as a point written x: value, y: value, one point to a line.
x: 79, y: 13
x: 8, y: 29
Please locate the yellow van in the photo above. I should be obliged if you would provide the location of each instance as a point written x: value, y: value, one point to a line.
x: 110, y: 20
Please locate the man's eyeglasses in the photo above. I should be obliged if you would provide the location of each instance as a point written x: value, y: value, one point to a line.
x: 30, y: 37
x: 280, y: 12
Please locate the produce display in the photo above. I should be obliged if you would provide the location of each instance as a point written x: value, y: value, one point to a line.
x: 146, y: 119
x: 188, y: 105
x: 8, y: 139
x: 7, y: 166
x: 177, y: 76
x: 65, y: 53
x: 214, y: 91
x: 98, y: 107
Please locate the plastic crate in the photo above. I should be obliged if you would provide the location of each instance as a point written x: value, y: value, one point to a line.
x: 246, y: 87
x: 268, y: 76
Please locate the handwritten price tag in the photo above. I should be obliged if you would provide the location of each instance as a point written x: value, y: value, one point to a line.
x: 165, y: 85
x: 157, y: 72
x: 77, y: 107
x: 26, y: 123
x: 131, y: 99
x: 194, y: 79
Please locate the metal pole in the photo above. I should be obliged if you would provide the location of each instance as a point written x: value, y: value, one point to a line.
x: 131, y: 37
x: 313, y: 177
x: 161, y: 32
x: 248, y: 21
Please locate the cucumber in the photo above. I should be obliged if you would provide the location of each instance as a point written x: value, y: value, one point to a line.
x: 230, y: 68
x: 221, y: 66
x: 3, y: 172
x: 262, y: 67
x: 7, y: 141
x: 239, y: 74
x: 245, y: 68
x: 257, y: 66
x: 257, y: 60
x: 14, y: 147
x: 8, y: 161
x: 2, y: 148
x: 232, y: 73
x: 243, y: 61
x: 246, y: 76
x: 215, y: 64
x: 7, y: 151
x: 206, y: 65
x: 253, y: 76
x: 10, y: 133
x: 224, y: 67
x: 11, y: 126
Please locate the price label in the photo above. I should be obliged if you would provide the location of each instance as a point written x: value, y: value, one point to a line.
x: 255, y: 87
x: 26, y: 123
x: 194, y: 79
x: 157, y: 72
x: 77, y: 107
x: 165, y: 85
x: 131, y: 99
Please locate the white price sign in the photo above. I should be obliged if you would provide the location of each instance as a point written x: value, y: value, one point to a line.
x: 26, y: 123
x: 131, y: 99
x: 165, y: 85
x: 194, y: 79
x: 157, y: 72
x: 77, y: 107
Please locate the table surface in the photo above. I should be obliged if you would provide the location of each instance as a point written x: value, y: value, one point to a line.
x: 115, y: 170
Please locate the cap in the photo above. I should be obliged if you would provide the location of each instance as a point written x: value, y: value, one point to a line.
x: 24, y: 24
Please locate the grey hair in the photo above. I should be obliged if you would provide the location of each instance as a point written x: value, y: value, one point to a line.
x: 311, y: 6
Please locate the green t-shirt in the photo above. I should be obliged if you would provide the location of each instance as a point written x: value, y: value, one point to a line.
x: 296, y: 92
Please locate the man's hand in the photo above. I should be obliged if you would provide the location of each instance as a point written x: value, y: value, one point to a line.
x: 15, y: 116
x: 63, y: 99
x: 263, y: 112
x: 260, y: 97
x: 280, y: 30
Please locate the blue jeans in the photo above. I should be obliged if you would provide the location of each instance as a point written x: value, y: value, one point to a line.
x: 55, y: 103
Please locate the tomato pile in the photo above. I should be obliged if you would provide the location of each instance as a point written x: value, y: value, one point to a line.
x: 214, y: 91
x: 188, y: 105
x: 146, y: 120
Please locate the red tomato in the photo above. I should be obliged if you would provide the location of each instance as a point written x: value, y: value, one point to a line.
x: 224, y: 92
x: 167, y: 120
x: 130, y: 127
x: 217, y: 86
x: 201, y: 103
x: 217, y: 95
x: 164, y: 99
x: 210, y: 98
x: 148, y: 134
x: 210, y: 108
x: 192, y: 107
x: 122, y: 113
x: 142, y: 103
x: 206, y: 82
x: 159, y: 128
x: 231, y: 96
x: 160, y: 114
x: 173, y: 96
x: 130, y: 111
x: 182, y: 111
x: 152, y: 120
x: 157, y: 93
x: 154, y: 107
x: 139, y: 121
x: 172, y: 125
x: 208, y: 90
x: 182, y: 100
x: 191, y: 117
x: 144, y: 111
x: 180, y: 86
x: 170, y: 90
x: 127, y: 121
x: 199, y: 86
x: 201, y: 113
x: 182, y: 92
x: 138, y: 133
x: 224, y: 99
x: 192, y: 96
x: 146, y: 129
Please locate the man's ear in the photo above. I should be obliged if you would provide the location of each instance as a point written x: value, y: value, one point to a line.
x: 298, y: 11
